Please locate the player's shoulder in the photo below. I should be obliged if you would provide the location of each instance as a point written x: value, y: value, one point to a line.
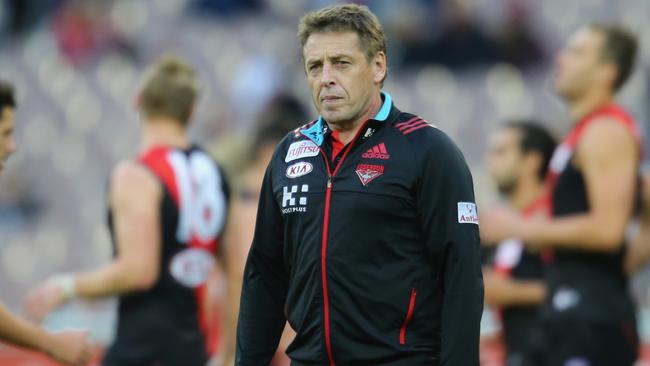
x: 413, y: 127
x: 129, y: 177
x: 131, y: 182
x: 612, y: 118
x: 421, y: 134
x: 606, y: 139
x: 609, y: 129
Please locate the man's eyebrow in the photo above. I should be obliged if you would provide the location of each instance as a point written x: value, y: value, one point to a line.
x: 333, y: 56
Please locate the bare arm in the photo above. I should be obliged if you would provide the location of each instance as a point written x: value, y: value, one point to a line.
x: 502, y: 291
x: 230, y: 259
x: 608, y: 158
x: 20, y: 332
x: 66, y: 347
x: 638, y: 253
x: 134, y: 198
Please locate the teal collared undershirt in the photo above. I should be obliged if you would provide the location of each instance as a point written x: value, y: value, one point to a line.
x: 316, y: 131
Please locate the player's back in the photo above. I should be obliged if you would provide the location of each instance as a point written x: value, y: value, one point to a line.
x: 164, y: 324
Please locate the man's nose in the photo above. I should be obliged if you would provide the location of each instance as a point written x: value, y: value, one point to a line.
x: 327, y: 76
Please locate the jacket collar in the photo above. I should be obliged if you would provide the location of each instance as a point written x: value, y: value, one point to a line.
x: 318, y: 130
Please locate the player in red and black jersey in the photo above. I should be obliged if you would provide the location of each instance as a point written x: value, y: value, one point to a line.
x: 517, y: 161
x: 588, y: 315
x: 167, y: 211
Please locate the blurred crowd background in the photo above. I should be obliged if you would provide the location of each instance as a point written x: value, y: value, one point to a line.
x: 464, y: 65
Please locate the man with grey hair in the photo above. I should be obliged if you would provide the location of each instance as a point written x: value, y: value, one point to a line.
x: 367, y: 232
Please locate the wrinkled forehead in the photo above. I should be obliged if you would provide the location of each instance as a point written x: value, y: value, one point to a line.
x: 322, y: 45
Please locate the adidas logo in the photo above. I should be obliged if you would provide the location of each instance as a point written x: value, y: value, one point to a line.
x: 377, y: 152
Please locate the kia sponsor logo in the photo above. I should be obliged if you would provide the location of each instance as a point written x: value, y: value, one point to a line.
x: 299, y: 169
x: 301, y: 149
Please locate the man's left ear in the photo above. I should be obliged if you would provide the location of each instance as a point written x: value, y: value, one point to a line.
x: 379, y: 65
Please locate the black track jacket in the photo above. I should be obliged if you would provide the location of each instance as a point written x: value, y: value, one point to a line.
x: 372, y: 257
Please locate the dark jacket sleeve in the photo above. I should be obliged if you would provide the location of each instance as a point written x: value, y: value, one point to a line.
x: 445, y: 181
x: 261, y: 312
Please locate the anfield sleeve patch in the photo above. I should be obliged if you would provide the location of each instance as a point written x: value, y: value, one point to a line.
x: 467, y: 213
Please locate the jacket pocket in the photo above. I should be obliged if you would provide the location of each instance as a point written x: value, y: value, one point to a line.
x: 407, y: 319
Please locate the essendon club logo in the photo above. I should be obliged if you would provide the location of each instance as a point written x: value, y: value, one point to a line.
x: 377, y: 152
x: 368, y: 172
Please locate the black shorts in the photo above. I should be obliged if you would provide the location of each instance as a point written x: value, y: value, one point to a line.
x: 582, y: 343
x: 529, y: 349
x: 151, y: 354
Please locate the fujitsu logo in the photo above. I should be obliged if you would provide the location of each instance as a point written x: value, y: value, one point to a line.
x: 301, y: 149
x: 377, y: 152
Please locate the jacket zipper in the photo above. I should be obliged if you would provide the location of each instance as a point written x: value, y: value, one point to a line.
x: 326, y: 220
x: 323, y: 263
x: 409, y: 315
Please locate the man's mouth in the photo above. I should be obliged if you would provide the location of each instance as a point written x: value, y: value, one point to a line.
x: 330, y: 99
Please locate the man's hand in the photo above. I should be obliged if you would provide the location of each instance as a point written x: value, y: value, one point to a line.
x: 44, y: 299
x: 69, y: 347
